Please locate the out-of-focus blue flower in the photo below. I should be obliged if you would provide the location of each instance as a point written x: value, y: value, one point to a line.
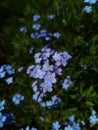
x: 17, y: 98
x: 34, y: 35
x: 31, y: 50
x: 93, y: 118
x: 68, y: 128
x: 23, y: 29
x: 90, y: 1
x: 36, y: 17
x: 20, y: 69
x: 57, y: 35
x: 2, y: 105
x: 36, y: 26
x: 9, y: 80
x: 2, y: 120
x: 87, y: 9
x: 37, y: 96
x: 2, y: 75
x: 71, y: 118
x: 51, y: 103
x: 67, y: 82
x: 56, y: 125
x: 76, y: 126
x: 51, y: 16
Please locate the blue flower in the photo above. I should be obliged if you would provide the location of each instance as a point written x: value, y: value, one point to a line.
x: 9, y: 80
x: 2, y: 120
x: 36, y: 26
x: 2, y: 75
x: 17, y: 98
x: 36, y: 17
x: 90, y: 1
x: 57, y: 35
x: 23, y: 29
x: 47, y: 87
x: 56, y: 125
x: 68, y: 128
x: 76, y: 126
x: 37, y: 96
x: 67, y: 82
x: 93, y: 118
x: 51, y: 16
x: 50, y: 78
x: 2, y: 105
x: 72, y: 118
x: 88, y: 9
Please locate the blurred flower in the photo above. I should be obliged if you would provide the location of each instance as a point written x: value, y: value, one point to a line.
x: 67, y: 82
x: 9, y: 80
x: 56, y: 125
x: 36, y: 17
x: 68, y: 128
x: 51, y: 16
x: 2, y: 120
x: 90, y: 1
x: 31, y: 50
x: 36, y: 26
x: 23, y: 29
x: 88, y: 9
x: 93, y: 118
x: 57, y: 35
x: 17, y: 98
x: 2, y: 105
x: 20, y: 69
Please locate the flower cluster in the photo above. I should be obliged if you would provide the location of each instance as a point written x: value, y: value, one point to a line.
x: 7, y: 70
x: 51, y: 103
x: 88, y: 8
x: 48, y: 67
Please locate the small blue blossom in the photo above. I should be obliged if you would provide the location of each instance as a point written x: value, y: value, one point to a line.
x: 50, y: 78
x: 2, y: 105
x: 37, y: 96
x: 56, y: 125
x: 67, y: 82
x: 23, y: 29
x: 71, y: 118
x: 68, y: 128
x: 76, y: 126
x: 88, y: 9
x: 20, y: 69
x: 34, y: 35
x: 57, y: 35
x: 2, y: 120
x: 36, y: 26
x: 2, y: 75
x: 36, y: 17
x: 90, y: 1
x: 47, y: 87
x: 9, y: 80
x: 17, y: 98
x: 93, y: 118
x: 31, y: 50
x: 51, y: 16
